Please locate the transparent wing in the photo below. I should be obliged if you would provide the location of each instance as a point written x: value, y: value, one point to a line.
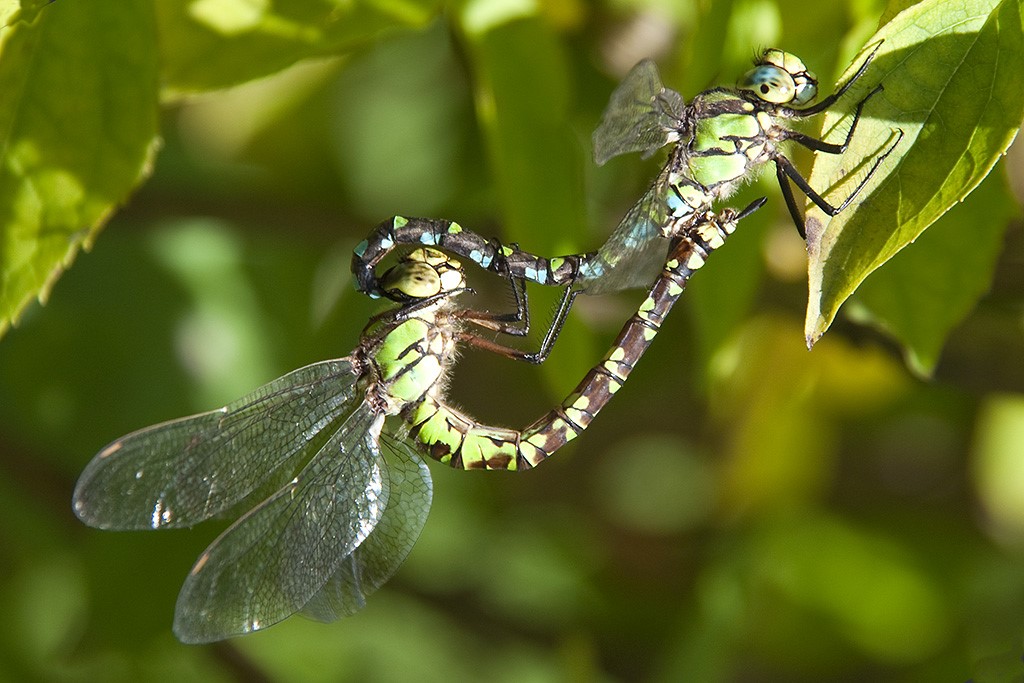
x: 271, y: 562
x: 179, y: 473
x: 636, y: 251
x: 377, y: 559
x: 642, y: 116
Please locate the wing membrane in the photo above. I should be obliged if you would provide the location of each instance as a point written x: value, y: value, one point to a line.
x: 642, y: 116
x: 271, y: 562
x: 179, y: 473
x: 377, y: 559
x: 636, y: 251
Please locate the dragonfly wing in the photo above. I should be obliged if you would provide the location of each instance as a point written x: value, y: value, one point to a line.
x: 182, y: 472
x: 377, y: 559
x: 642, y: 115
x: 267, y: 565
x: 637, y: 250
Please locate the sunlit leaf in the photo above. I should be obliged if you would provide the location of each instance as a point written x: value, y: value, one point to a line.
x: 12, y: 11
x: 951, y: 73
x: 209, y: 44
x: 79, y: 121
x: 924, y: 292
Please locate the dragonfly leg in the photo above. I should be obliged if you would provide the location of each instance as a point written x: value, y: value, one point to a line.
x: 817, y: 145
x: 494, y: 322
x: 411, y: 308
x: 516, y: 324
x: 785, y: 171
x: 492, y: 346
x: 569, y: 297
x: 555, y: 328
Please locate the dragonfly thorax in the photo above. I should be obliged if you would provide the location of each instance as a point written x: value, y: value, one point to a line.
x: 411, y: 346
x: 780, y: 77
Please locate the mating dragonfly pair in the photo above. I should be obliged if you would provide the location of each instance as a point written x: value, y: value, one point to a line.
x: 327, y: 460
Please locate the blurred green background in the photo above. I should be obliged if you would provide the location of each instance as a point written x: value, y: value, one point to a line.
x: 744, y: 510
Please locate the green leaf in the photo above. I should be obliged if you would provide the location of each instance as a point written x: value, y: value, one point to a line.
x: 893, y: 8
x: 951, y: 73
x: 923, y: 293
x: 79, y: 122
x: 12, y: 11
x: 210, y: 44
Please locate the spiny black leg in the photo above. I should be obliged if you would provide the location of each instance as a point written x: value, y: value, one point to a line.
x: 794, y: 208
x: 817, y: 145
x: 784, y: 170
x: 555, y: 329
x: 785, y: 166
x: 516, y: 324
x: 570, y: 294
x: 535, y: 357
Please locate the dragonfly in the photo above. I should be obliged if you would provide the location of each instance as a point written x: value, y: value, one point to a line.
x: 323, y: 468
x: 721, y: 139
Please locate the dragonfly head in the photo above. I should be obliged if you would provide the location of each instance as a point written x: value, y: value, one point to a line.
x: 421, y: 274
x: 780, y: 78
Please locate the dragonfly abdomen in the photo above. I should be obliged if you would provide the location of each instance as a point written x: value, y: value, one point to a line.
x: 489, y: 254
x: 450, y: 436
x: 575, y: 414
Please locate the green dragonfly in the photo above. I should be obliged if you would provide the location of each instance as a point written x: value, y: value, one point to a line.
x: 722, y: 138
x: 327, y: 484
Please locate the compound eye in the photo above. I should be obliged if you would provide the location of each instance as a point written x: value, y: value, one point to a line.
x: 411, y: 280
x: 452, y: 277
x: 806, y: 89
x: 770, y: 83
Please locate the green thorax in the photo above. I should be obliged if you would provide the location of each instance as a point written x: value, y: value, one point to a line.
x: 728, y: 140
x: 411, y: 359
x: 409, y: 348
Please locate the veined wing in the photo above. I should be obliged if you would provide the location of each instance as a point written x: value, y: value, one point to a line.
x: 182, y: 472
x: 271, y: 562
x: 377, y: 559
x: 636, y: 251
x: 642, y: 116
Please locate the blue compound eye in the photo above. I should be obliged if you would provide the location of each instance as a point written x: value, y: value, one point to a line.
x: 806, y: 89
x: 779, y: 77
x: 770, y: 83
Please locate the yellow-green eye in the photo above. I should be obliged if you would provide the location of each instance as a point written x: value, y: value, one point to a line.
x: 780, y: 77
x: 770, y: 83
x: 411, y: 280
x: 452, y: 278
x: 423, y: 273
x: 806, y: 89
